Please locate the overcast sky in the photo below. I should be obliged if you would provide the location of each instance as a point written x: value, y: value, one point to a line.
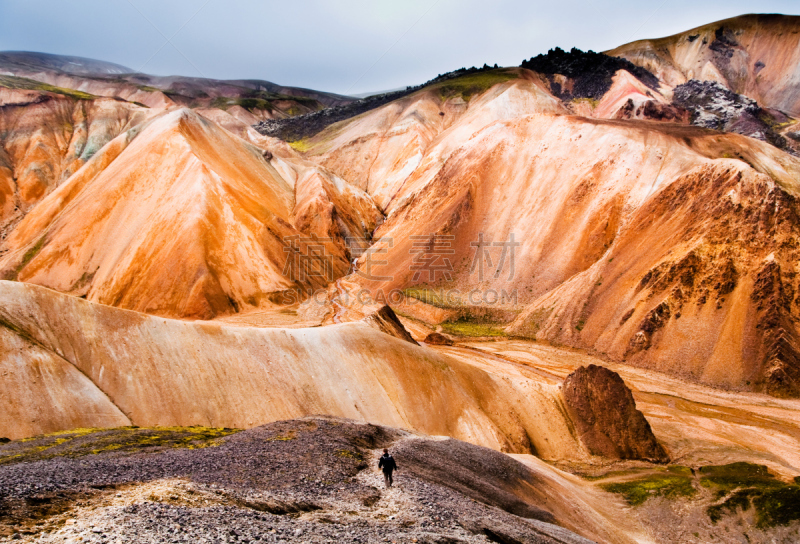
x: 343, y: 46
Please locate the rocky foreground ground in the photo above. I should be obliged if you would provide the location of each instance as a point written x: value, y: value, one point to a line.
x: 307, y: 480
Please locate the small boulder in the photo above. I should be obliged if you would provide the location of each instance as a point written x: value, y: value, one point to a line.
x: 385, y: 320
x: 438, y: 339
x: 606, y: 418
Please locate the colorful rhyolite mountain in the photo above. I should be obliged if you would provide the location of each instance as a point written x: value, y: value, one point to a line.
x: 588, y: 209
x: 165, y: 260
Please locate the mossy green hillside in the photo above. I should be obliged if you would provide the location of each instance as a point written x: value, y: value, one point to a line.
x: 742, y: 486
x: 80, y: 442
x: 14, y: 82
x: 250, y: 104
x: 265, y: 101
x: 734, y: 487
x: 472, y: 84
x: 466, y: 327
x: 672, y: 482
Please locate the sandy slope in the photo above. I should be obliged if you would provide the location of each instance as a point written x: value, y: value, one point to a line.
x: 166, y: 372
x: 59, y: 351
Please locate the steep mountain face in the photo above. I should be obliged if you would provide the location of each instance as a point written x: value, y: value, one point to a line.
x: 713, y: 305
x: 597, y: 210
x: 45, y: 137
x: 391, y: 143
x: 754, y: 55
x: 179, y: 217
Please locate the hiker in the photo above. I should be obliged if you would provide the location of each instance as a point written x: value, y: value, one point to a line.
x: 388, y: 465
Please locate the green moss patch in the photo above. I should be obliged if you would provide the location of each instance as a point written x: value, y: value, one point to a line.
x: 592, y: 102
x: 32, y: 252
x: 774, y: 505
x: 472, y: 84
x: 356, y: 456
x: 14, y: 82
x: 779, y: 506
x: 290, y: 435
x: 465, y: 327
x: 27, y: 258
x: 80, y: 442
x: 471, y: 321
x: 674, y: 482
x: 250, y: 104
x: 741, y: 486
x: 301, y: 145
x: 734, y: 487
x: 726, y: 478
x: 265, y: 101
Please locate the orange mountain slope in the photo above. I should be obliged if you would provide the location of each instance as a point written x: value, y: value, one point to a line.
x: 45, y: 137
x: 177, y: 217
x: 599, y: 210
x: 664, y: 245
x: 755, y: 55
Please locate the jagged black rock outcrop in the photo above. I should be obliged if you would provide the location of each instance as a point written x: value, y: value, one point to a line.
x: 591, y: 72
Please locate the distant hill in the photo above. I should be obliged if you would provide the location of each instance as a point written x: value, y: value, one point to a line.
x: 109, y: 79
x: 10, y: 61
